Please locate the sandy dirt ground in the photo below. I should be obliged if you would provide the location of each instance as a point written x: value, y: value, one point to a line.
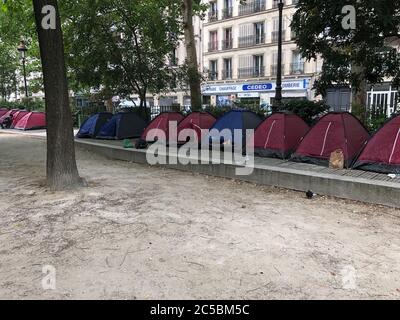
x: 147, y: 233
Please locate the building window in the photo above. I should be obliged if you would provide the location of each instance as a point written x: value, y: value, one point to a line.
x: 227, y: 12
x: 227, y: 72
x: 259, y: 32
x: 252, y: 7
x: 213, y: 44
x: 213, y: 72
x: 251, y: 66
x: 274, y: 64
x: 297, y: 65
x: 258, y: 63
x: 228, y: 40
x: 275, y: 30
x: 251, y: 34
x: 213, y: 12
x: 174, y: 58
x: 275, y: 3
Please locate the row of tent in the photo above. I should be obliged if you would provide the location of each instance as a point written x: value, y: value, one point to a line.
x: 282, y: 135
x: 24, y: 120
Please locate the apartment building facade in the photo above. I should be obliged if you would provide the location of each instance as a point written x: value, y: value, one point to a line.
x: 240, y: 54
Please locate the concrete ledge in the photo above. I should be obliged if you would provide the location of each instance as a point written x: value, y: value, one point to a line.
x: 297, y: 177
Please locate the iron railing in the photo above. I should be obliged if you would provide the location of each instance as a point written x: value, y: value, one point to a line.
x: 297, y: 68
x: 227, y: 13
x: 227, y: 44
x: 275, y: 36
x: 252, y: 72
x: 250, y: 41
x: 213, y: 46
x: 212, y: 16
x: 274, y: 69
x: 227, y: 74
x: 252, y: 7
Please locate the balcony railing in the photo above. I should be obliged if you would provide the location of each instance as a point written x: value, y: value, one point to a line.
x: 213, y: 16
x: 252, y: 7
x: 250, y: 41
x: 274, y: 69
x: 212, y: 75
x: 275, y: 36
x: 213, y: 46
x: 227, y: 13
x: 227, y: 44
x: 297, y: 68
x: 251, y: 72
x: 227, y: 74
x: 173, y: 62
x: 275, y: 3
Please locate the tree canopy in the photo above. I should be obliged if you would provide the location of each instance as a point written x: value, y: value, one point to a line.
x: 351, y: 56
x: 121, y: 45
x: 17, y: 23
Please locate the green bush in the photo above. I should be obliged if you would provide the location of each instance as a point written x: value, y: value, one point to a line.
x: 217, y: 112
x: 11, y: 105
x: 36, y: 105
x: 376, y: 122
x: 307, y: 110
x: 30, y: 105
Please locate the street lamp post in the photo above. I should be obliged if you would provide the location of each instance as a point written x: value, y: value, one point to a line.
x: 22, y: 49
x: 278, y: 90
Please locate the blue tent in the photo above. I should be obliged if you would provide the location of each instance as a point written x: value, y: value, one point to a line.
x: 91, y: 127
x: 235, y: 120
x: 123, y: 125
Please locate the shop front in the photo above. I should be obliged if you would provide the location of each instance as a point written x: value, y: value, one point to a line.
x: 254, y: 94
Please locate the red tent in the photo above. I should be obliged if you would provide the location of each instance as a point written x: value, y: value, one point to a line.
x: 382, y: 153
x: 334, y: 131
x: 161, y: 123
x: 18, y: 116
x: 7, y: 114
x: 32, y: 121
x: 3, y: 111
x: 196, y: 121
x: 279, y: 135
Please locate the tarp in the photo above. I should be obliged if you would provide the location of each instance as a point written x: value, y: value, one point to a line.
x: 162, y: 123
x: 196, y: 121
x: 279, y: 135
x: 235, y: 120
x: 334, y: 131
x: 91, y: 127
x: 18, y: 116
x: 32, y: 121
x: 122, y: 125
x: 382, y: 153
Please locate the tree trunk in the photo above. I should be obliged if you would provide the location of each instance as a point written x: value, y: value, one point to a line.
x: 359, y: 94
x: 62, y: 172
x: 143, y: 105
x: 190, y: 43
x: 109, y: 105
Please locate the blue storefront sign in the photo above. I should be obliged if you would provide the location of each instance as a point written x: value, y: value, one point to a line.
x: 255, y: 87
x: 258, y: 87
